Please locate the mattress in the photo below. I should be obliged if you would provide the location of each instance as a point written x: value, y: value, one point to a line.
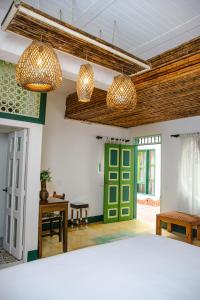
x: 144, y: 267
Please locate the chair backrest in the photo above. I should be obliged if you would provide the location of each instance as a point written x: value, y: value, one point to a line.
x: 58, y: 196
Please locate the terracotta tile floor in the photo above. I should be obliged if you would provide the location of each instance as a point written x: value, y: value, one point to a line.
x: 98, y: 233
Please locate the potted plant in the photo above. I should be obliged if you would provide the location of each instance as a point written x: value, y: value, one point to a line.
x: 45, y: 176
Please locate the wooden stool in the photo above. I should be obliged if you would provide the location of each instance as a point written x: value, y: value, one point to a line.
x: 79, y: 209
x: 179, y: 218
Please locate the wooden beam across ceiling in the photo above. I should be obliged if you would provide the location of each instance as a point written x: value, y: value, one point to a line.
x: 23, y: 19
x: 171, y: 90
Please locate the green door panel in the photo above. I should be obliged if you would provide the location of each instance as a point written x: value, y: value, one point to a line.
x: 111, y: 183
x: 118, y: 183
x: 126, y: 182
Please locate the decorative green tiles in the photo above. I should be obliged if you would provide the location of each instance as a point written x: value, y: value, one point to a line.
x: 17, y: 103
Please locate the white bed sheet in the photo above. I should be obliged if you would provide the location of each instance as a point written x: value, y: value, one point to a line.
x: 143, y: 267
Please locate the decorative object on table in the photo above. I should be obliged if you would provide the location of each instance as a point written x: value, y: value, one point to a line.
x: 54, y: 217
x: 121, y: 94
x: 45, y: 176
x: 38, y: 69
x: 85, y: 83
x: 81, y: 219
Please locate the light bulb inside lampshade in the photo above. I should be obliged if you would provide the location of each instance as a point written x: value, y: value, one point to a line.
x: 85, y: 83
x: 38, y: 68
x: 121, y: 94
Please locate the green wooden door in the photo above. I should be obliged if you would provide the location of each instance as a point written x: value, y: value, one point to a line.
x: 111, y: 183
x: 126, y: 185
x: 118, y: 183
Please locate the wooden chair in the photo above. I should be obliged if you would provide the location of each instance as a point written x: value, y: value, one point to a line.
x: 50, y: 218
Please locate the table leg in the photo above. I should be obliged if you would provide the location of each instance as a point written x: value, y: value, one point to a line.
x: 60, y: 229
x: 169, y: 227
x: 77, y: 216
x: 81, y: 215
x: 158, y: 225
x: 65, y: 229
x: 189, y: 234
x: 72, y: 217
x: 86, y: 214
x: 198, y: 232
x: 40, y: 234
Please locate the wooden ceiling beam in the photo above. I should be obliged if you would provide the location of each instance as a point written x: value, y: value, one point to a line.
x: 159, y: 91
x: 177, y: 53
x: 34, y: 24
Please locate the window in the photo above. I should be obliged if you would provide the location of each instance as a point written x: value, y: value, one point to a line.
x: 147, y: 140
x: 146, y: 172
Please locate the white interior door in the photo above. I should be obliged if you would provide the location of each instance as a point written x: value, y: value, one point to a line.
x: 13, y: 237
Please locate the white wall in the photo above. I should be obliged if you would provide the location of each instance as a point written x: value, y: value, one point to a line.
x: 170, y: 154
x: 3, y: 161
x: 33, y: 181
x: 72, y: 152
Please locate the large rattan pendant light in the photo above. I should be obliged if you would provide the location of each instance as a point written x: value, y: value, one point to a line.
x: 85, y: 83
x: 121, y: 94
x: 38, y: 68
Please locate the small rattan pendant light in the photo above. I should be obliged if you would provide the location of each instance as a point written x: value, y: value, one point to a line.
x: 121, y: 94
x: 85, y: 83
x: 38, y: 68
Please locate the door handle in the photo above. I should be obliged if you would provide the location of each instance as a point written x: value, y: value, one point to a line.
x: 5, y: 190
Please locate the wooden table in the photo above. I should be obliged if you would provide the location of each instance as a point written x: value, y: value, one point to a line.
x: 51, y: 206
x: 179, y: 218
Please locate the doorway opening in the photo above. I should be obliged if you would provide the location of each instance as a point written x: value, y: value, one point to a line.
x: 148, y: 177
x: 13, y: 147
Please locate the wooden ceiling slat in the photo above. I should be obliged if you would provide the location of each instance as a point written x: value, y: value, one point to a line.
x: 184, y: 50
x: 33, y: 28
x: 167, y: 92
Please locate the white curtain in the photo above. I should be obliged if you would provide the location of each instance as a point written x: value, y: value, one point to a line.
x: 189, y: 174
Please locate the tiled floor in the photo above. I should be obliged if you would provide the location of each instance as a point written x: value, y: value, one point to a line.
x: 5, y: 257
x: 98, y: 233
x: 7, y: 260
x: 147, y: 213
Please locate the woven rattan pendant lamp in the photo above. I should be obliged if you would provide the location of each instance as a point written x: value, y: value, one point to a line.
x: 38, y: 68
x: 121, y: 94
x: 85, y: 83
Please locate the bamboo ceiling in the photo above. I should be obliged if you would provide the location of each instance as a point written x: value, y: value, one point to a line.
x: 171, y: 90
x: 34, y: 24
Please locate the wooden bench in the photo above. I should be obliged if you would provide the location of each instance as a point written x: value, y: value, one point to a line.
x: 178, y: 218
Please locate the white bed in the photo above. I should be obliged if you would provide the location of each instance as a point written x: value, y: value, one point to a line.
x: 144, y: 267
